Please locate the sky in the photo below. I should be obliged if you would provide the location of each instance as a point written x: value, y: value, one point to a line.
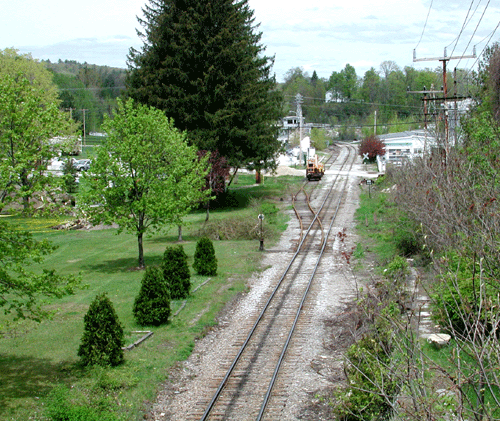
x: 315, y: 35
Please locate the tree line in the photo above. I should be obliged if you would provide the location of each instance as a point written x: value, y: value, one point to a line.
x: 384, y: 96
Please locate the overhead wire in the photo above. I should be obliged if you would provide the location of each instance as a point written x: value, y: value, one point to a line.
x: 484, y: 49
x: 425, y: 24
x: 475, y: 30
x: 466, y: 22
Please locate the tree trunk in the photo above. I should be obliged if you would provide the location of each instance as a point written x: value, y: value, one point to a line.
x: 208, y: 211
x: 180, y: 233
x: 140, y: 232
x: 258, y: 177
x: 141, y: 250
x: 232, y: 178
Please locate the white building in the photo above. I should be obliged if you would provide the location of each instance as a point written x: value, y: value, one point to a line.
x: 407, y: 145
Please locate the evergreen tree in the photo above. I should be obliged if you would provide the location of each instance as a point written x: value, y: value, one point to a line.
x: 69, y: 176
x: 176, y: 272
x: 152, y: 305
x: 203, y: 65
x: 102, y: 338
x: 205, y: 262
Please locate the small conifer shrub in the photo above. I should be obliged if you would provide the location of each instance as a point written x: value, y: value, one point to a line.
x: 152, y: 304
x: 176, y: 272
x: 102, y: 338
x: 205, y: 262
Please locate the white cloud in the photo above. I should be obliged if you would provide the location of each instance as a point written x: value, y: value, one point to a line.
x: 323, y: 35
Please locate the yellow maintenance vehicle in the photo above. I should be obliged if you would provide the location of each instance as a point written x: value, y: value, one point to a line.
x: 314, y: 169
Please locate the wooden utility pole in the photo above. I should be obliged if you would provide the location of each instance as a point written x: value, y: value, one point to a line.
x: 84, y: 138
x: 299, y: 100
x: 444, y: 60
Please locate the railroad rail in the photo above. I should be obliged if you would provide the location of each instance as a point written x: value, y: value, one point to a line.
x: 247, y: 390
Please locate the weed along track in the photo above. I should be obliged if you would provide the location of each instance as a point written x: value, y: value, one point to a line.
x: 250, y: 383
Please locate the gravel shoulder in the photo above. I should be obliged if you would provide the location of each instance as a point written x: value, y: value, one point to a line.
x: 324, y: 339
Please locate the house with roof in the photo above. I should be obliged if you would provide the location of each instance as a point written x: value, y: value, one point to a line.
x: 407, y: 145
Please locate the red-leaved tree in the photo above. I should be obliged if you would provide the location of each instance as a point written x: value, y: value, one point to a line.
x: 373, y: 146
x: 216, y: 178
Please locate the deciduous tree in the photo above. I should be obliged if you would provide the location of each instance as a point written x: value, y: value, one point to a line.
x: 373, y: 146
x: 144, y: 176
x: 23, y: 285
x: 29, y: 119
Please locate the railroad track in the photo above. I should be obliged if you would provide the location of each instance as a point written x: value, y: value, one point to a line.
x: 252, y: 384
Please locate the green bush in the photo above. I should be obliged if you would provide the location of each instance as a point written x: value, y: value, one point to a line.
x: 367, y: 376
x: 103, y: 337
x: 176, y: 272
x: 458, y: 299
x: 397, y: 269
x: 152, y: 304
x: 205, y: 262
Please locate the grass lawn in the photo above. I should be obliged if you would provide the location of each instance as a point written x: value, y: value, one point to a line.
x: 35, y: 358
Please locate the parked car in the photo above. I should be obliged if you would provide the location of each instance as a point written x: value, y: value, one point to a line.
x: 82, y: 164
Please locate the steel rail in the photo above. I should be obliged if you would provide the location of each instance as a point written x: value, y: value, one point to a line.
x: 266, y: 306
x: 294, y: 199
x: 299, y: 310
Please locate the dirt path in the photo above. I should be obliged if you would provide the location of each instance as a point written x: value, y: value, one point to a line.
x: 322, y: 346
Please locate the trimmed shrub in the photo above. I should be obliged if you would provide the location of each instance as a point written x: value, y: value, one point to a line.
x: 176, y: 272
x: 102, y: 338
x: 205, y: 262
x: 152, y: 304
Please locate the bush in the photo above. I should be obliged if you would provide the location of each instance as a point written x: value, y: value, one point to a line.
x: 152, y: 304
x: 176, y: 272
x: 370, y: 386
x: 205, y: 262
x: 102, y: 338
x: 463, y: 299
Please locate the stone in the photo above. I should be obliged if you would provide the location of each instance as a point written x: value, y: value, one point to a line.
x: 439, y: 340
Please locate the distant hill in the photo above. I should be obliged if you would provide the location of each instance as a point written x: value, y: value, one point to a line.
x: 73, y: 67
x: 88, y: 91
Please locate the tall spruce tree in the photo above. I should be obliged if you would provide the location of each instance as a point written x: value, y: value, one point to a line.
x: 203, y: 64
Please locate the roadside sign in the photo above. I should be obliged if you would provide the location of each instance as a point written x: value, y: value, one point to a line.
x: 365, y: 156
x: 369, y: 182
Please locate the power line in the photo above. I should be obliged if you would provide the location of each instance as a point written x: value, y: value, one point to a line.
x: 426, y: 19
x: 472, y: 36
x: 92, y: 89
x: 379, y: 104
x: 464, y: 25
x: 484, y: 49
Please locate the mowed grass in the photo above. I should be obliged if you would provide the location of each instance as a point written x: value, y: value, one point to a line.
x: 35, y: 358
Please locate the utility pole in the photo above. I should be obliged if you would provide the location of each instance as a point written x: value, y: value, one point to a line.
x: 444, y: 60
x: 84, y: 138
x: 299, y: 100
x: 425, y: 99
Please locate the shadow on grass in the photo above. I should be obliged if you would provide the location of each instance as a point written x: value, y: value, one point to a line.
x: 28, y: 377
x: 125, y: 264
